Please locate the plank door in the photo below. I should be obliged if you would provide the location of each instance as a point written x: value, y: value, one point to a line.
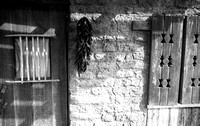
x: 165, y: 65
x: 191, y: 73
x: 28, y: 100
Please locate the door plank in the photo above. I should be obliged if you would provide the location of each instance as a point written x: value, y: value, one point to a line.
x: 154, y: 90
x: 189, y: 92
x: 198, y: 117
x: 42, y: 92
x: 173, y: 117
x: 22, y: 93
x: 176, y: 50
x: 6, y: 68
x: 165, y: 52
x: 59, y: 68
x: 153, y: 116
x: 194, y: 116
x: 165, y: 60
x: 163, y: 117
x: 187, y: 116
x: 181, y: 117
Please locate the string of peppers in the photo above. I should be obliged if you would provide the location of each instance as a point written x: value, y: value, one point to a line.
x: 84, y: 42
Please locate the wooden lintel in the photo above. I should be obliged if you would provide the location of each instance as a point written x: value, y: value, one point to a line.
x: 31, y: 35
x: 173, y: 106
x: 31, y: 81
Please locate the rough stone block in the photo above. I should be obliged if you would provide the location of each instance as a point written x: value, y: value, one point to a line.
x: 81, y: 123
x: 129, y: 57
x: 121, y: 57
x: 107, y: 117
x: 108, y: 82
x: 106, y: 73
x: 126, y: 65
x: 109, y: 47
x: 85, y: 116
x: 90, y: 99
x: 99, y: 56
x: 125, y: 73
x: 110, y: 66
x: 87, y: 74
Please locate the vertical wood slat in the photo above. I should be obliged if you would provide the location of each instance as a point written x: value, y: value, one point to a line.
x: 163, y: 117
x: 22, y: 94
x: 176, y: 52
x: 6, y: 71
x: 1, y: 68
x: 33, y: 57
x: 153, y: 117
x: 44, y: 58
x: 154, y: 91
x: 196, y: 90
x: 38, y: 59
x: 194, y: 116
x: 21, y: 59
x: 27, y: 60
x: 44, y: 93
x: 59, y: 109
x: 173, y: 117
x: 190, y: 94
x: 165, y: 52
x: 47, y: 63
x: 198, y: 118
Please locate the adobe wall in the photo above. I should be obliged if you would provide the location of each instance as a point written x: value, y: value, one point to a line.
x: 114, y: 89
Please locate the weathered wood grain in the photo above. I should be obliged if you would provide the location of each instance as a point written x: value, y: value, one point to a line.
x: 194, y: 117
x: 189, y: 92
x: 173, y: 117
x: 42, y: 92
x: 165, y: 51
x: 6, y: 69
x: 153, y: 117
x: 181, y: 117
x: 187, y: 116
x: 155, y: 69
x: 22, y: 94
x: 168, y: 73
x: 163, y: 117
x: 59, y: 68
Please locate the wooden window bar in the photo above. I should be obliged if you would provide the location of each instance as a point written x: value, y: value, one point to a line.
x: 32, y: 58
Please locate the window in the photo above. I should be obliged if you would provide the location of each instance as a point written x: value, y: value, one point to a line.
x: 175, y: 61
x: 32, y: 58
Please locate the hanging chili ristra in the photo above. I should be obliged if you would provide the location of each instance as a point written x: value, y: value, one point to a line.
x: 83, y: 47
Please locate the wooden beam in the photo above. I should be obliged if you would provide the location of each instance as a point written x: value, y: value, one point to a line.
x: 31, y: 81
x: 174, y: 106
x: 31, y: 35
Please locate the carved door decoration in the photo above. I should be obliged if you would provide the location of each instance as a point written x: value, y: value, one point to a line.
x: 175, y: 61
x: 191, y: 73
x: 165, y: 60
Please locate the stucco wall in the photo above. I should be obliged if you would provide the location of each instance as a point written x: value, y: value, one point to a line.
x: 113, y: 91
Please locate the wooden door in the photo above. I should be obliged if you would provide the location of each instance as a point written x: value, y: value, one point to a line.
x: 165, y: 60
x: 181, y: 107
x: 25, y: 101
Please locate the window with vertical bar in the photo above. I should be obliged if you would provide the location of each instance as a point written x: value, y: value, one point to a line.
x: 32, y: 58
